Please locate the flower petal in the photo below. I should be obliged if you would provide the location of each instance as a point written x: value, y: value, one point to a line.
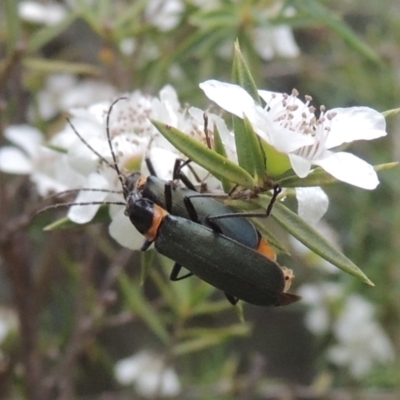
x: 312, y: 203
x: 301, y: 166
x: 351, y: 169
x: 14, y: 161
x: 231, y: 98
x: 24, y: 136
x: 355, y: 123
x: 84, y: 214
x: 284, y: 42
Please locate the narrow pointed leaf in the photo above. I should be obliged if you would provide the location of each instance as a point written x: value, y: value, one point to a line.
x: 243, y: 149
x: 220, y: 149
x: 137, y: 303
x: 241, y: 74
x: 208, y: 159
x: 254, y: 149
x: 52, y: 66
x: 48, y: 33
x: 318, y: 177
x: 391, y: 113
x: 385, y: 167
x: 147, y: 259
x: 314, y: 241
x: 204, y: 338
x: 101, y: 216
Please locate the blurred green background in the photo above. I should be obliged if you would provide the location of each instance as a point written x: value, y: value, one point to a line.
x: 77, y: 295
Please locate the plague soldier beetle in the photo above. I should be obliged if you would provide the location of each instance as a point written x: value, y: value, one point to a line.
x: 206, y: 237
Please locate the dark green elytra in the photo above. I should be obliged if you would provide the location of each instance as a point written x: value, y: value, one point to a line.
x: 223, y: 262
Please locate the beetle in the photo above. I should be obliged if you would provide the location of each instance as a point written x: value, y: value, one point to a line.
x: 241, y: 272
x: 189, y: 204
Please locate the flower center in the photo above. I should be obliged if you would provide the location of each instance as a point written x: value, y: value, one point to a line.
x: 291, y: 113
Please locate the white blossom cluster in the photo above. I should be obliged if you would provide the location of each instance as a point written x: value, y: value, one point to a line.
x: 147, y: 372
x: 360, y: 342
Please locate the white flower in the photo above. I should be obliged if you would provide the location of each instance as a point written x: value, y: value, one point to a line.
x: 291, y: 127
x: 331, y: 129
x: 361, y: 341
x: 47, y: 14
x: 271, y: 40
x: 164, y: 14
x: 47, y: 168
x: 149, y: 374
x: 237, y: 101
x: 62, y: 92
x: 275, y: 41
x: 320, y: 299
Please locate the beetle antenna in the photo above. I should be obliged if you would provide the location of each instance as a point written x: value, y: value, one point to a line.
x: 65, y: 192
x: 88, y: 145
x: 120, y: 176
x: 70, y: 204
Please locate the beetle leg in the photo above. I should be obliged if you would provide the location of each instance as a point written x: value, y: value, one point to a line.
x: 146, y: 244
x: 175, y: 272
x: 150, y: 166
x: 277, y: 190
x: 232, y: 299
x: 168, y: 196
x: 190, y: 209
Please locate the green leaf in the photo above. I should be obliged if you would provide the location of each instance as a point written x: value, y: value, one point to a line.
x: 254, y: 149
x: 277, y: 163
x: 205, y: 338
x: 165, y: 287
x: 241, y: 74
x: 147, y: 261
x: 221, y: 17
x: 385, y: 167
x: 220, y: 149
x: 317, y: 177
x: 56, y: 148
x: 214, y: 307
x: 208, y: 159
x: 391, y: 113
x: 51, y: 66
x: 101, y: 216
x: 13, y: 25
x: 48, y: 33
x: 138, y: 304
x: 327, y: 17
x: 307, y: 235
x: 243, y: 148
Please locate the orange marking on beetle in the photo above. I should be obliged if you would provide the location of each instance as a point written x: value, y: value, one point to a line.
x: 141, y: 183
x: 264, y: 248
x: 158, y: 217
